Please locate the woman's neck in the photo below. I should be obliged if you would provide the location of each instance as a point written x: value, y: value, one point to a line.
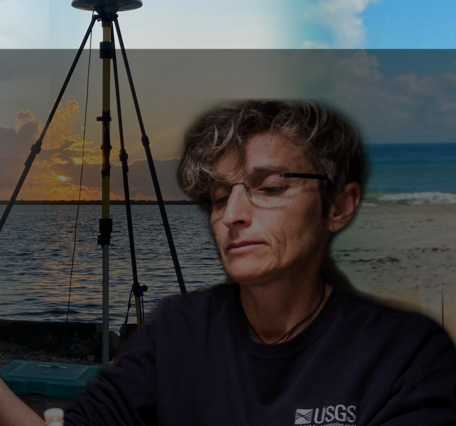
x: 273, y: 309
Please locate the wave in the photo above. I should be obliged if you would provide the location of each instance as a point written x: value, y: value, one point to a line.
x: 410, y: 198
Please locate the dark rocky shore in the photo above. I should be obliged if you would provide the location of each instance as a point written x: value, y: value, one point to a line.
x: 80, y: 343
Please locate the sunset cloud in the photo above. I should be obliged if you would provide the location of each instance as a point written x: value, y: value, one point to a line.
x: 54, y: 159
x: 61, y: 128
x: 18, y: 139
x: 48, y: 184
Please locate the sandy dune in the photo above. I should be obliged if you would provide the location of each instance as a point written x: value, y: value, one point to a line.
x: 406, y: 254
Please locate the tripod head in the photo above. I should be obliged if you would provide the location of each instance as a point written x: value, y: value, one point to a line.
x: 107, y: 6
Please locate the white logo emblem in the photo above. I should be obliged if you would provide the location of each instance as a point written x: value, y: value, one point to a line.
x: 303, y: 417
x: 330, y: 415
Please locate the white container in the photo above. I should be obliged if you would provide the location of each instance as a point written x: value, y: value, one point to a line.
x: 53, y: 417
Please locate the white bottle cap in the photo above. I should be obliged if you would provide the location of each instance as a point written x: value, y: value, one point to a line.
x: 53, y: 417
x: 51, y: 413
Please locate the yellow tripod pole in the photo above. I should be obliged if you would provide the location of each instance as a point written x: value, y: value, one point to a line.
x: 106, y: 222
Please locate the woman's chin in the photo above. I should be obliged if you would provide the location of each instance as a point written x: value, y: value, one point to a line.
x: 247, y: 276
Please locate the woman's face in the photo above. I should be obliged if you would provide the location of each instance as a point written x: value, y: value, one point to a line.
x: 276, y: 241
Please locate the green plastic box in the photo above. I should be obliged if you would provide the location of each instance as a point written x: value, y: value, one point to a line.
x: 50, y: 379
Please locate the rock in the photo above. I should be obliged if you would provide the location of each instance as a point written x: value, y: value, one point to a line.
x: 79, y: 351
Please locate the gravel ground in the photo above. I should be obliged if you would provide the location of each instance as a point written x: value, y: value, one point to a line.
x: 10, y: 352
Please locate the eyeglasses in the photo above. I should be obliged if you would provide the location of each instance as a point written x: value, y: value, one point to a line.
x: 263, y: 191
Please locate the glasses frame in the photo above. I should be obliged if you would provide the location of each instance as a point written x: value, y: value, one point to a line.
x: 305, y: 176
x: 286, y: 175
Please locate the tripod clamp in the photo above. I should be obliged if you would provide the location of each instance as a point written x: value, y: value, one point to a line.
x: 105, y: 229
x: 105, y: 117
x: 106, y: 47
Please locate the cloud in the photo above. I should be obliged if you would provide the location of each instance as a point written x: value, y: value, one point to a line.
x: 58, y: 179
x: 18, y: 139
x: 406, y: 107
x: 343, y: 19
x: 53, y: 159
x: 92, y: 154
x: 62, y: 125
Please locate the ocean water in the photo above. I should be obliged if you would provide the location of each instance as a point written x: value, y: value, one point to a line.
x: 36, y: 246
x: 37, y: 240
x: 412, y: 173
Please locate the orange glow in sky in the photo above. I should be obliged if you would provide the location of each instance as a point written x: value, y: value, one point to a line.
x: 51, y: 177
x: 56, y: 171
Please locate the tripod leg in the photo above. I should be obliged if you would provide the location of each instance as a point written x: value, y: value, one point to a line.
x: 36, y: 147
x: 150, y: 161
x: 124, y: 159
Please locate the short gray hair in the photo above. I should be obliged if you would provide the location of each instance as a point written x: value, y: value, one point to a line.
x: 329, y: 140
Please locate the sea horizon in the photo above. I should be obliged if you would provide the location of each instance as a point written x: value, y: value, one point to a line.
x: 398, y: 173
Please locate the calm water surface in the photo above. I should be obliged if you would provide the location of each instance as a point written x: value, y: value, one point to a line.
x: 35, y: 258
x: 36, y: 242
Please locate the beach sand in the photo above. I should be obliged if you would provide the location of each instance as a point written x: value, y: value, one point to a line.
x: 405, y: 254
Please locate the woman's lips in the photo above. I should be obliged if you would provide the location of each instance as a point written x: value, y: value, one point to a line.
x: 242, y: 246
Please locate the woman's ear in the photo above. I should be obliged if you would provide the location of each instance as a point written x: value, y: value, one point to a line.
x: 343, y: 207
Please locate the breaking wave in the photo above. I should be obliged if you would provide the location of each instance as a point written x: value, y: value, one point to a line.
x: 411, y: 198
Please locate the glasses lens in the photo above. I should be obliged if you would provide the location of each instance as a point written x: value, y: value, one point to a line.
x: 263, y: 191
x: 219, y: 193
x: 267, y: 190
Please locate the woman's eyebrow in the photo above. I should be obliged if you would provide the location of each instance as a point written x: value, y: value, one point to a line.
x: 255, y: 172
x: 259, y: 170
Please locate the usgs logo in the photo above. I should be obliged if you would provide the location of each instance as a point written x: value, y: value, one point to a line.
x: 330, y: 414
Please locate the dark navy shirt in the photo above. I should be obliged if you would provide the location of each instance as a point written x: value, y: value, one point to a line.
x: 194, y: 362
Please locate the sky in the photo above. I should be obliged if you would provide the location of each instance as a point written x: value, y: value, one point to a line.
x: 239, y: 24
x: 338, y: 55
